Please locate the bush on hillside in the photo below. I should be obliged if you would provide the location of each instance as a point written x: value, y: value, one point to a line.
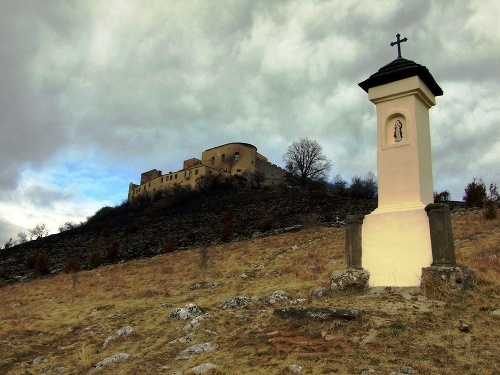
x: 95, y: 258
x: 69, y: 225
x: 8, y: 244
x: 254, y: 179
x: 72, y: 265
x: 265, y: 224
x: 206, y: 182
x: 39, y: 263
x: 363, y: 187
x: 226, y: 226
x: 169, y: 247
x: 475, y: 194
x: 39, y: 231
x: 338, y: 185
x: 103, y: 214
x: 490, y: 209
x: 113, y: 249
x: 441, y: 197
x: 490, y: 204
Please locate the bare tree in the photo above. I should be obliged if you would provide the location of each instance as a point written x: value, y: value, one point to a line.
x: 9, y: 244
x: 254, y: 178
x: 23, y: 237
x: 39, y: 231
x: 305, y: 161
x: 70, y: 225
x: 365, y: 188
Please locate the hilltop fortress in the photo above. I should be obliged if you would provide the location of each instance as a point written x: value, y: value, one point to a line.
x: 228, y: 159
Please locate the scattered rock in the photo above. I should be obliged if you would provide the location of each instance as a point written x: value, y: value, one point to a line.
x: 201, y: 369
x: 370, y: 337
x: 39, y: 360
x: 279, y: 295
x: 97, y: 309
x: 496, y: 312
x: 367, y: 371
x: 204, y: 285
x: 326, y: 336
x: 318, y: 313
x: 271, y: 273
x: 296, y: 369
x: 258, y: 266
x: 320, y: 291
x: 408, y: 370
x: 189, y: 311
x: 350, y: 278
x: 196, y: 349
x: 124, y: 331
x: 188, y: 338
x: 404, y: 370
x: 109, y: 360
x: 235, y: 303
x: 195, y: 322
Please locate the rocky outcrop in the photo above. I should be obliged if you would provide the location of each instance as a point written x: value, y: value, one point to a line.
x: 153, y: 231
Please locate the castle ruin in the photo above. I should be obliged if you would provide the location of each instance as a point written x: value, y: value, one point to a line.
x: 228, y: 159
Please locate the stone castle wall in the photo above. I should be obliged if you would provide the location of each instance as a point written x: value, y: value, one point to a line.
x: 230, y: 158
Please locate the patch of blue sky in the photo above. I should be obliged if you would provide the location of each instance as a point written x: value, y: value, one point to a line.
x: 88, y: 177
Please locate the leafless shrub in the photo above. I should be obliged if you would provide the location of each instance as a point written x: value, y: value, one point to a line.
x: 72, y: 266
x: 490, y: 209
x: 265, y: 224
x: 168, y: 247
x: 113, y: 249
x: 39, y: 263
x: 39, y: 231
x: 95, y: 258
x: 226, y: 226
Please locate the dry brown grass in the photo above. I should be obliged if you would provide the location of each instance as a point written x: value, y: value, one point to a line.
x: 68, y: 325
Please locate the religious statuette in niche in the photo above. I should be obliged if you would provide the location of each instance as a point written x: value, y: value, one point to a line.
x: 398, y: 131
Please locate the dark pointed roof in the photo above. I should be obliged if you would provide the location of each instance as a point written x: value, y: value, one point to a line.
x: 401, y: 69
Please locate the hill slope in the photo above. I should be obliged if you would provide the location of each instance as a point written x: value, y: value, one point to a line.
x: 47, y: 325
x: 164, y: 226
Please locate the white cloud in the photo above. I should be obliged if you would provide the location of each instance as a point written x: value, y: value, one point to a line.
x: 94, y: 93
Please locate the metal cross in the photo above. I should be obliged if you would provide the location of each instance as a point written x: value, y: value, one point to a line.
x: 398, y: 42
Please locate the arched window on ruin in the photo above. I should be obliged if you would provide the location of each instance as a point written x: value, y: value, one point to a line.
x: 223, y: 158
x: 236, y: 156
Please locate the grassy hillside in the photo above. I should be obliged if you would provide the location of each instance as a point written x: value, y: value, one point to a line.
x: 49, y: 325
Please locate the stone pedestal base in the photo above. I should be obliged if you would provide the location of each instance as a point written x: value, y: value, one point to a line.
x: 396, y: 245
x: 441, y: 281
x: 350, y: 278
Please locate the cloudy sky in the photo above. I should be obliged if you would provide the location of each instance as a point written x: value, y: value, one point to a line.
x: 92, y: 93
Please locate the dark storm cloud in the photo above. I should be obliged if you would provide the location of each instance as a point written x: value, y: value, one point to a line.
x: 31, y: 120
x: 94, y: 86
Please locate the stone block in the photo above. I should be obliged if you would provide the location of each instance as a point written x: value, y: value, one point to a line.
x: 443, y: 249
x: 442, y: 281
x: 350, y: 279
x: 353, y: 241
